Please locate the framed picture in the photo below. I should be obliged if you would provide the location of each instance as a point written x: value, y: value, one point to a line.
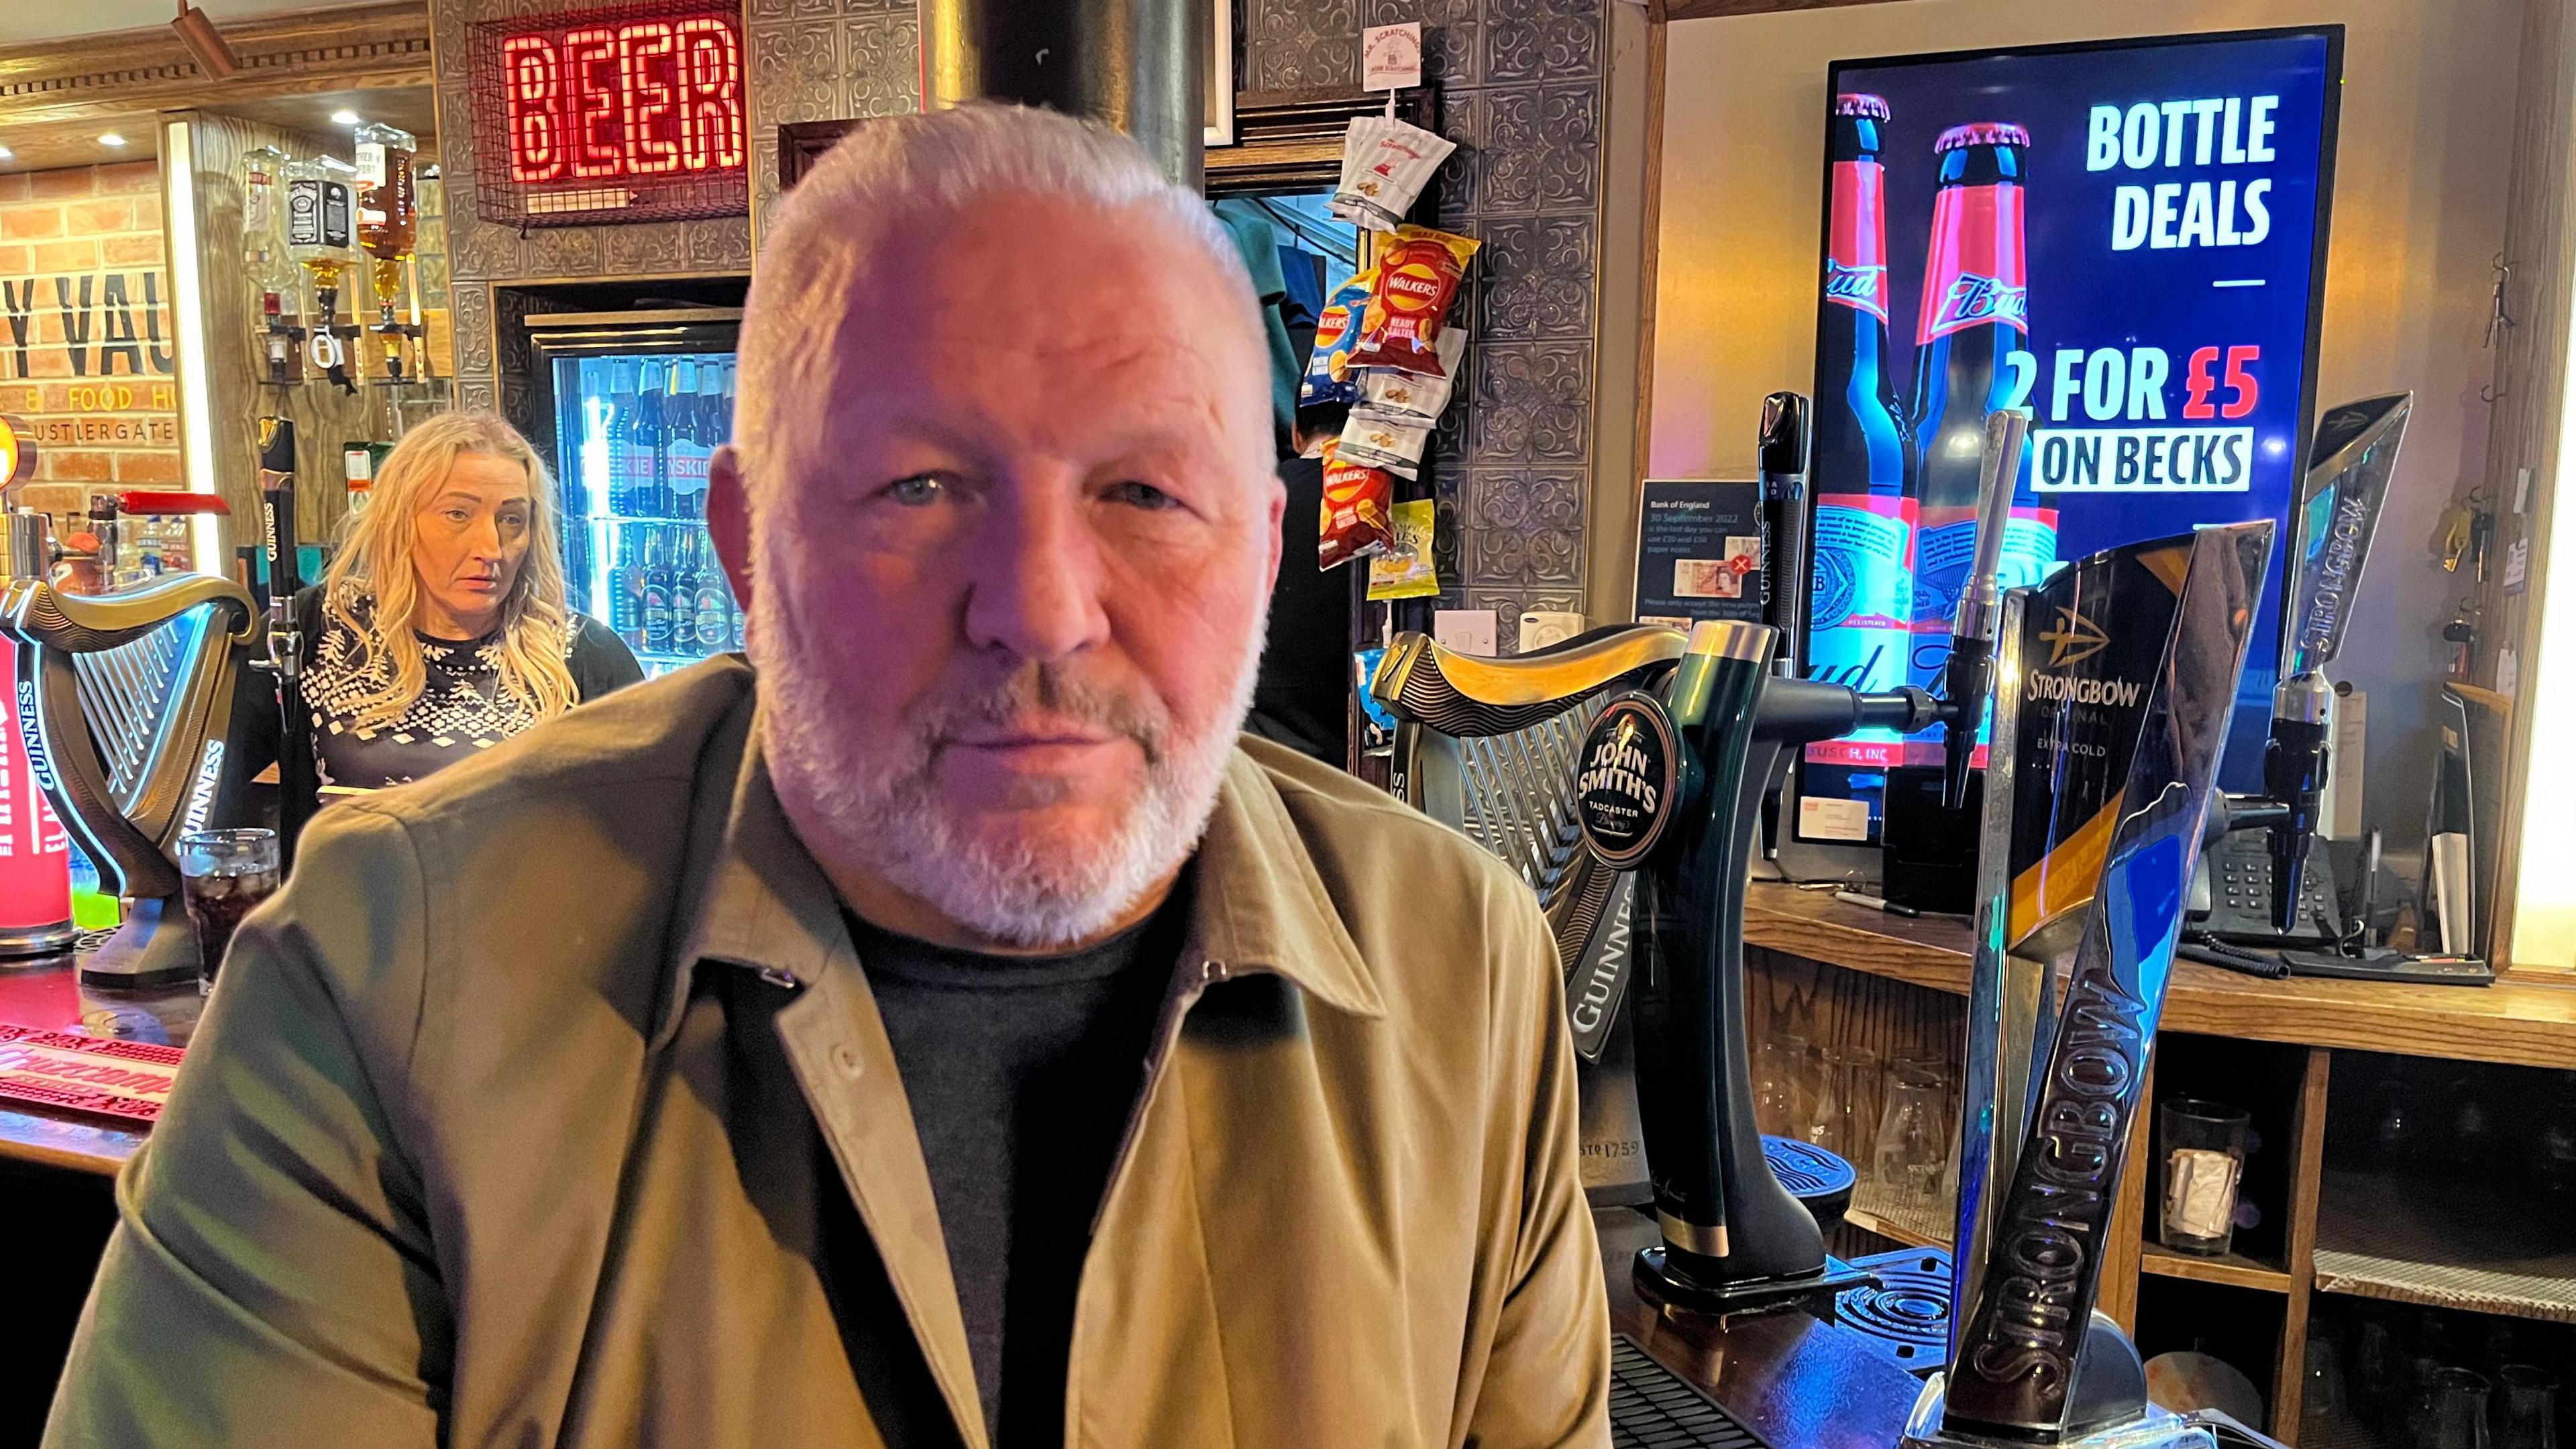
x: 1219, y: 100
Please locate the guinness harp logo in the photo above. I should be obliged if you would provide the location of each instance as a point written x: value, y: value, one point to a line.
x: 2073, y: 639
x: 1631, y: 772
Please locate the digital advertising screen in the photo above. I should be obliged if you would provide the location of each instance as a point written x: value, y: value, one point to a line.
x: 2126, y: 238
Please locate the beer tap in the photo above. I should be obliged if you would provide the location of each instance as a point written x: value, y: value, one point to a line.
x: 298, y: 775
x: 2351, y: 461
x: 1671, y: 787
x: 1788, y: 428
x: 1971, y: 670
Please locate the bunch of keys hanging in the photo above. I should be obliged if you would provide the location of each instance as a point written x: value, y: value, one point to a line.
x: 2468, y: 533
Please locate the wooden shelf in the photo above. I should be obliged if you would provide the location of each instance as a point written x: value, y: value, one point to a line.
x: 1914, y: 1222
x: 2445, y: 1244
x: 2518, y: 1022
x: 2234, y: 1269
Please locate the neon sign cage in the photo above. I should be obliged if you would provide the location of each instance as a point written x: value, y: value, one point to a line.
x: 627, y: 113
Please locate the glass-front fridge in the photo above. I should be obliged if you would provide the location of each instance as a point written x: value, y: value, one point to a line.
x: 641, y: 400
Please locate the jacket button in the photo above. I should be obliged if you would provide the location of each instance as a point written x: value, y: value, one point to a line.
x: 847, y: 1059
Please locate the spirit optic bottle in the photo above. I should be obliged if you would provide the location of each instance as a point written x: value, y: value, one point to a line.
x: 263, y: 181
x: 318, y: 237
x: 388, y: 225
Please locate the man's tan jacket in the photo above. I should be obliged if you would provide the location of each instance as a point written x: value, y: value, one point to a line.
x: 516, y: 1119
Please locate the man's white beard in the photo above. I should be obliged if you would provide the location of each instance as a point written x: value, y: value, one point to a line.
x: 882, y: 808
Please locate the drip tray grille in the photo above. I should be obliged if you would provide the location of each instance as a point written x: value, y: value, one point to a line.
x: 1906, y: 1318
x: 1651, y: 1407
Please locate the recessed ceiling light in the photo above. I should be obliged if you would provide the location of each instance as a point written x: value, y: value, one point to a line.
x: 111, y: 139
x: 344, y: 118
x: 6, y: 154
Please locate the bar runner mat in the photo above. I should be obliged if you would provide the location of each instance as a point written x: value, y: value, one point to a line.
x: 126, y: 1080
x: 1651, y: 1407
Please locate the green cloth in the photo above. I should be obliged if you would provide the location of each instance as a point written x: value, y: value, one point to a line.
x: 1258, y: 240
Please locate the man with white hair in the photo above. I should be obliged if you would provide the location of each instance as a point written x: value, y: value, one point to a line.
x: 938, y: 1029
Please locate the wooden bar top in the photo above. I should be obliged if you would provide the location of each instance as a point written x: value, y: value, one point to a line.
x: 2522, y: 1022
x: 48, y: 995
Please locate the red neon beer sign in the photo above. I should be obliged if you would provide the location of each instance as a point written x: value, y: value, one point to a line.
x: 645, y: 99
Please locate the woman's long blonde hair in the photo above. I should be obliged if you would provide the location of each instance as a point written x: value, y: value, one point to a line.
x: 373, y: 590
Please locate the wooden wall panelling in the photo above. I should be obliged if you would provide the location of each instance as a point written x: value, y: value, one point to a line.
x: 2530, y: 382
x: 2307, y: 1177
x: 131, y: 72
x: 324, y: 416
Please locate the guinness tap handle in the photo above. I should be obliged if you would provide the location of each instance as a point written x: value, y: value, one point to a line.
x: 1972, y: 630
x: 1788, y: 432
x: 298, y: 774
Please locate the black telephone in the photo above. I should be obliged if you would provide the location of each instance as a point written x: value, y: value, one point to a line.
x: 2231, y: 894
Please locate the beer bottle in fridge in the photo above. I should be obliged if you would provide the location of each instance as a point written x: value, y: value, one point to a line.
x: 646, y: 483
x: 657, y: 591
x: 1972, y: 356
x: 1860, y: 617
x: 713, y: 600
x: 684, y: 409
x: 684, y: 592
x: 619, y: 436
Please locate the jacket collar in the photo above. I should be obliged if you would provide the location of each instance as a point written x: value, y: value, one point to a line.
x: 762, y: 902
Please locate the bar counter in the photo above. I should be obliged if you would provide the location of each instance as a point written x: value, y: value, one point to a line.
x: 47, y: 995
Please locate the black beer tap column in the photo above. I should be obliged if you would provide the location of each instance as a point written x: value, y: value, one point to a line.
x: 298, y: 777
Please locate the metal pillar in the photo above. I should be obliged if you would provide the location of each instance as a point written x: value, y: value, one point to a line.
x: 1136, y: 64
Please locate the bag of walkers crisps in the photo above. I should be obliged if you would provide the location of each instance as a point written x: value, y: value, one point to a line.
x: 1417, y: 279
x: 1405, y: 571
x: 1356, y: 521
x: 1385, y: 165
x: 1328, y: 368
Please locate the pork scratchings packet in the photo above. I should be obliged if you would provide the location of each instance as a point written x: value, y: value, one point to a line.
x: 1385, y: 165
x: 1417, y: 280
x: 1406, y: 571
x: 1357, y: 521
x: 1379, y: 438
x: 1422, y: 394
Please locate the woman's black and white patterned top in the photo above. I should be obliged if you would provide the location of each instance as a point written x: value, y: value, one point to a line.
x: 462, y: 707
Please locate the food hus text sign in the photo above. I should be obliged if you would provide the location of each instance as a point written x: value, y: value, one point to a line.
x: 627, y: 113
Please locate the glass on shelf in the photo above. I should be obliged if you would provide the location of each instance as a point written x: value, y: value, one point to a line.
x: 2203, y: 1156
x: 2457, y: 1411
x: 2526, y: 1407
x: 1846, y: 1117
x: 1913, y: 1141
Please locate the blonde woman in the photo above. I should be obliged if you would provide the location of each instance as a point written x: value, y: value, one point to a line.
x: 441, y: 628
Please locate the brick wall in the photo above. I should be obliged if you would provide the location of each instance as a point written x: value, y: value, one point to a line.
x: 85, y: 334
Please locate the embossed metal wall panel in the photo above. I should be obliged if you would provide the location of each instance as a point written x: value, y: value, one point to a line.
x: 1523, y: 86
x: 826, y: 60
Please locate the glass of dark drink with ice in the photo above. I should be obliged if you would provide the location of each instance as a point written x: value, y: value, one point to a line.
x: 222, y: 874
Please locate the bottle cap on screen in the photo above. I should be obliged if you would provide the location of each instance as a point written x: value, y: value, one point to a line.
x: 1980, y: 133
x: 1856, y: 104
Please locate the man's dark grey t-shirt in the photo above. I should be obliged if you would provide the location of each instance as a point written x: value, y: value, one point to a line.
x: 1022, y: 1073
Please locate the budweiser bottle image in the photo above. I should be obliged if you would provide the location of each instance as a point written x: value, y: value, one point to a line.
x: 1860, y: 613
x: 1972, y: 356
